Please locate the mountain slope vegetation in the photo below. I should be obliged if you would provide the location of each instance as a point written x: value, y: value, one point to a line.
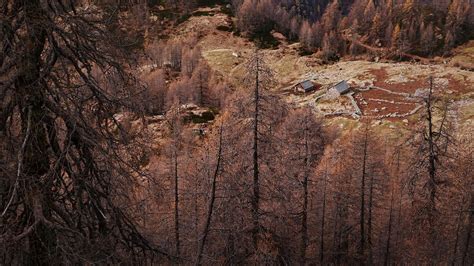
x: 167, y: 132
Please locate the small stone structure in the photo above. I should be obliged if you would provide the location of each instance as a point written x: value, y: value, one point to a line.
x: 304, y: 86
x: 339, y: 89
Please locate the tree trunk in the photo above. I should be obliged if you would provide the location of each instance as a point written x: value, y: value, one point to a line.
x: 196, y: 216
x: 399, y: 222
x: 211, y: 201
x: 304, y: 218
x: 337, y: 236
x: 256, y: 185
x: 369, y: 233
x: 176, y: 201
x: 200, y: 100
x: 42, y: 242
x: 432, y: 159
x: 432, y: 183
x: 469, y: 232
x: 362, y: 200
x: 389, y: 233
x: 321, y: 246
x: 456, y: 240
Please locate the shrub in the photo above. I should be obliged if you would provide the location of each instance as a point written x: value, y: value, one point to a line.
x: 265, y: 40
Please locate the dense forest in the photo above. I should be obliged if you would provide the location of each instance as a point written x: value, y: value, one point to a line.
x: 83, y: 183
x: 420, y: 27
x: 337, y: 28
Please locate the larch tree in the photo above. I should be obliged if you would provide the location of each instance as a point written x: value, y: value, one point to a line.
x: 212, y: 198
x: 460, y: 203
x: 258, y: 77
x: 175, y: 147
x: 200, y: 79
x: 466, y: 165
x: 155, y: 96
x: 363, y: 187
x: 394, y: 184
x: 65, y: 172
x: 260, y: 113
x: 303, y: 144
x: 323, y: 214
x: 455, y: 20
x: 431, y: 145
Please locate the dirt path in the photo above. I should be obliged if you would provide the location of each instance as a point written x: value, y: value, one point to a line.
x: 384, y: 52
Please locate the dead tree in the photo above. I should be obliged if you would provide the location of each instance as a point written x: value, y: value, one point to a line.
x: 432, y: 144
x: 65, y: 168
x: 432, y: 157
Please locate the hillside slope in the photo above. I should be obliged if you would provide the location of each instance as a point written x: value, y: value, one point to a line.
x: 227, y: 53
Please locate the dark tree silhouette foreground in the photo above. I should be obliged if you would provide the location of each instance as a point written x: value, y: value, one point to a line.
x: 64, y: 171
